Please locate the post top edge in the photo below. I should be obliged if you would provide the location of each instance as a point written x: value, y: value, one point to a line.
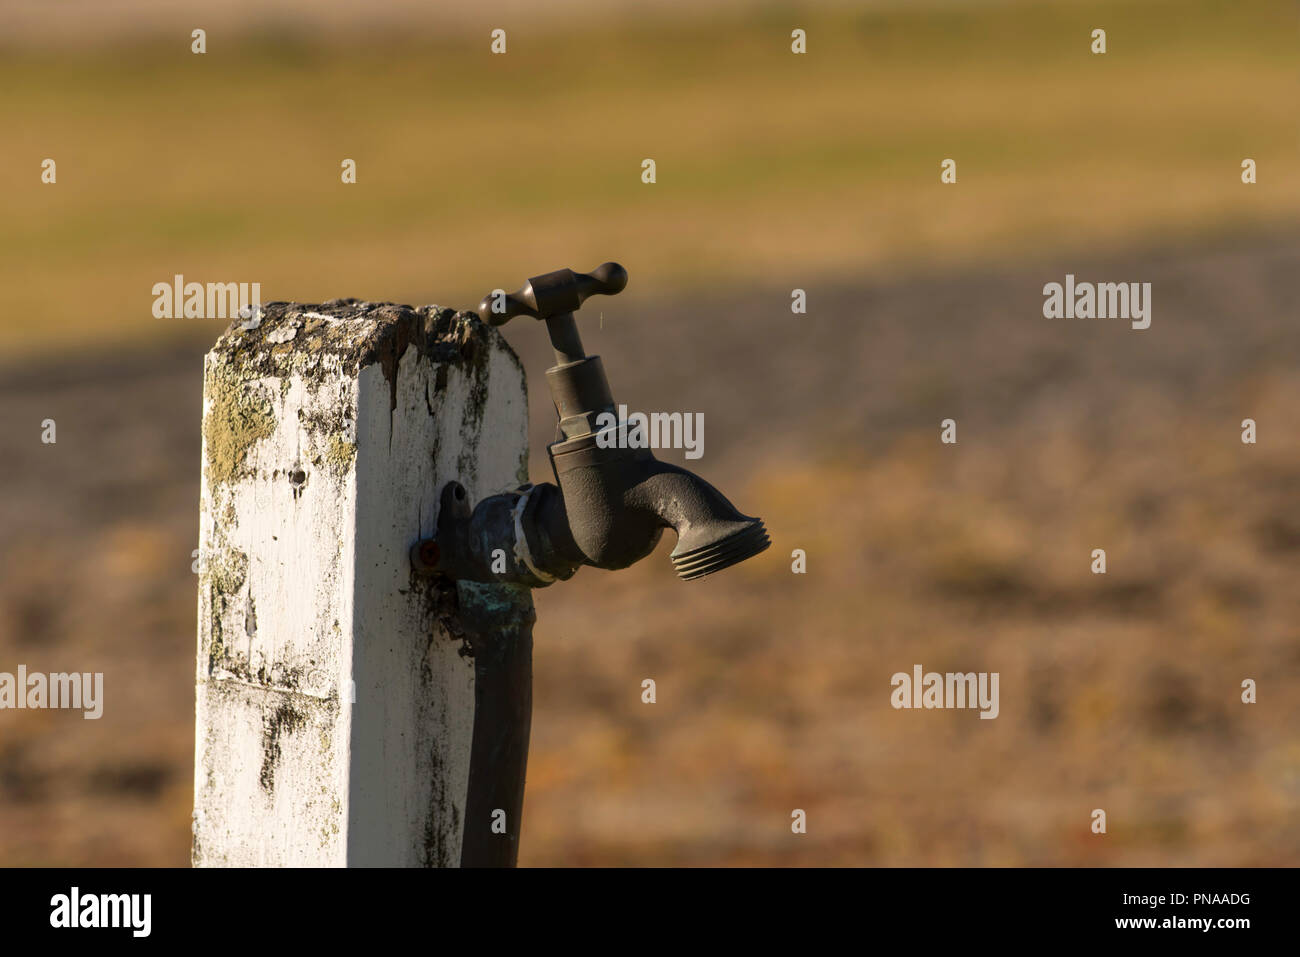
x: 354, y: 333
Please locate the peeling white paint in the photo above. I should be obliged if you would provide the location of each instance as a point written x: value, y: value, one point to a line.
x: 294, y: 767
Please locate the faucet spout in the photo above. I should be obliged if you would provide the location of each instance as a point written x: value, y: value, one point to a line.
x: 618, y: 502
x: 711, y: 533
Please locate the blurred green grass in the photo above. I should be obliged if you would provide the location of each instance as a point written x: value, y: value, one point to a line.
x: 477, y: 170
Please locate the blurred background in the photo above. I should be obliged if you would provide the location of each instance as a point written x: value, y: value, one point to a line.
x: 775, y: 172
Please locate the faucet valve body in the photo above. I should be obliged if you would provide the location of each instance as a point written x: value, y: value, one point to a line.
x: 611, y: 502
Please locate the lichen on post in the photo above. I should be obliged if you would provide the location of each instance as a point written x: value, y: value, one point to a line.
x: 341, y: 698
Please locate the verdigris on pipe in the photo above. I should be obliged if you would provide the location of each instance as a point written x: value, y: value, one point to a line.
x: 610, y: 502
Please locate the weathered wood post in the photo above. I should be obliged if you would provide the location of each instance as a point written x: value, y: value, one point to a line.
x: 348, y: 711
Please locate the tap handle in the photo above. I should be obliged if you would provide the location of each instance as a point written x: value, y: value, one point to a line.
x: 553, y: 294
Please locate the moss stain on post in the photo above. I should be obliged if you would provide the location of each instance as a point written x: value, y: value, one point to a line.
x: 239, y: 418
x: 286, y: 719
x: 339, y: 454
x: 224, y: 574
x: 227, y: 571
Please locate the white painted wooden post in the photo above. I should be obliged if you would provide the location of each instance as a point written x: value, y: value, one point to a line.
x: 337, y: 693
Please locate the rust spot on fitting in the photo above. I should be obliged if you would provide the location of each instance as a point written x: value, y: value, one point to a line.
x: 425, y: 556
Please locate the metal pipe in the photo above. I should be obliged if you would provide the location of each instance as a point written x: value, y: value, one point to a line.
x: 565, y: 340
